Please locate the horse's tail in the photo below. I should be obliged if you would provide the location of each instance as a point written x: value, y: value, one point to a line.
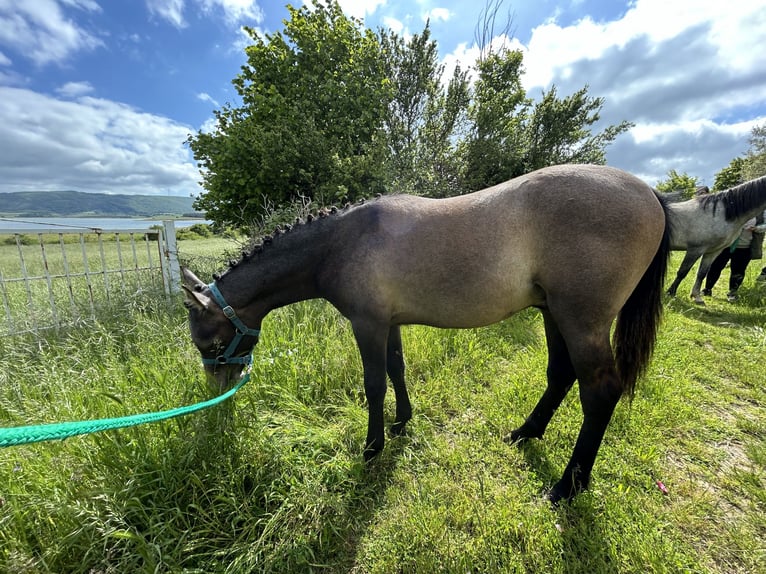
x: 638, y: 321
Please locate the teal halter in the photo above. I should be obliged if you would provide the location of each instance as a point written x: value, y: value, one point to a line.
x: 241, y: 330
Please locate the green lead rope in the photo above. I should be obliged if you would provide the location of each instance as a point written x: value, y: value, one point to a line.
x: 55, y: 431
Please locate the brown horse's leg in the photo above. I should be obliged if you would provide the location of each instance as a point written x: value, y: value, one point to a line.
x: 600, y: 390
x: 395, y: 369
x: 561, y: 377
x: 371, y: 340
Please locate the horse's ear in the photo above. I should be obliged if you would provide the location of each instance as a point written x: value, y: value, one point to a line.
x: 192, y: 286
x: 194, y: 299
x: 190, y: 279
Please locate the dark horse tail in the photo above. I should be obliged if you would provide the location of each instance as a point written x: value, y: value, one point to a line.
x: 638, y: 321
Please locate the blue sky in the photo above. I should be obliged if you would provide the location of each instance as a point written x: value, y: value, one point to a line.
x: 100, y: 95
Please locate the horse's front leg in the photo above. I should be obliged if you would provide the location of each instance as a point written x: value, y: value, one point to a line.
x: 395, y: 368
x: 689, y: 259
x: 371, y: 339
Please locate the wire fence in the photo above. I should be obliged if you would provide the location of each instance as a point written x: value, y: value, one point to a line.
x: 51, y: 279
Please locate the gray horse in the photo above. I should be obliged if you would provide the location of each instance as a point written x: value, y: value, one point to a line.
x: 706, y: 225
x: 584, y: 244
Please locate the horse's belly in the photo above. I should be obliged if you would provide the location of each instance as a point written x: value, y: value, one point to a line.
x: 462, y: 308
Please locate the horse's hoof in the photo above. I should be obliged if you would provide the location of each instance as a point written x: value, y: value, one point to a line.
x: 515, y: 437
x: 399, y: 428
x: 562, y: 493
x: 523, y: 434
x: 700, y: 302
x: 369, y: 454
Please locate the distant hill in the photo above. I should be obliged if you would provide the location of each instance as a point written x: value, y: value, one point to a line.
x: 79, y: 204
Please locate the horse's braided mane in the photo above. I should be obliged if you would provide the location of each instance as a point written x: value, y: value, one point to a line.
x: 738, y: 199
x: 300, y: 223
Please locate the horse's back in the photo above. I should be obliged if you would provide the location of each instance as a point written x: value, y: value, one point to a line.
x: 475, y: 259
x: 700, y: 229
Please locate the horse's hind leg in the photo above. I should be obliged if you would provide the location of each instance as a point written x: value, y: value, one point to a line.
x: 561, y: 377
x: 600, y: 390
x: 395, y: 369
x: 704, y: 269
x: 689, y: 260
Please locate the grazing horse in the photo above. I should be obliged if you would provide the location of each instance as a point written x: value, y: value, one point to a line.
x: 584, y: 244
x: 706, y: 225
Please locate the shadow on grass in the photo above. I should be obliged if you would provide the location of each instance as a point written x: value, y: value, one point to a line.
x: 580, y: 522
x: 210, y: 491
x: 748, y: 310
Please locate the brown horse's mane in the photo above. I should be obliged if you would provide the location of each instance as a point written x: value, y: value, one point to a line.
x: 737, y: 200
x: 265, y: 241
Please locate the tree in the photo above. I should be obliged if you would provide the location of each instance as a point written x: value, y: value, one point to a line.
x: 512, y: 134
x: 423, y: 116
x: 559, y: 131
x: 681, y: 183
x: 755, y: 158
x: 313, y: 100
x: 331, y: 111
x: 730, y: 176
x: 494, y: 150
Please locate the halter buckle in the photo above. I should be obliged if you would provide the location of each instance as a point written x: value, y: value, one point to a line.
x: 240, y: 330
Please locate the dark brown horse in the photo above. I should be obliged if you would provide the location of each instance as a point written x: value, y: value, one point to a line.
x: 584, y: 244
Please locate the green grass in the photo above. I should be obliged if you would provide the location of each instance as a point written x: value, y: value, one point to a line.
x: 274, y: 480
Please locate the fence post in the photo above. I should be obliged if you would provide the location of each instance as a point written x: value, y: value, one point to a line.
x: 171, y: 254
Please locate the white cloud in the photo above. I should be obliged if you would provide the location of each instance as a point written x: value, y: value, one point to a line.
x: 90, y: 144
x: 730, y: 30
x: 235, y: 12
x: 359, y: 8
x: 74, y: 89
x: 393, y: 24
x: 437, y: 14
x: 41, y: 31
x: 205, y: 97
x: 171, y: 11
x: 4, y: 60
x: 689, y: 73
x: 699, y: 148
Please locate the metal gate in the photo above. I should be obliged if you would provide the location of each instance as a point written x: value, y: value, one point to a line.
x: 50, y: 279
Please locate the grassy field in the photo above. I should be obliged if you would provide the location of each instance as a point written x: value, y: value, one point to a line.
x: 274, y: 480
x: 53, y: 280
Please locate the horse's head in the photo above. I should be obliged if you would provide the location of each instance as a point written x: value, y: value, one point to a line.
x: 223, y: 339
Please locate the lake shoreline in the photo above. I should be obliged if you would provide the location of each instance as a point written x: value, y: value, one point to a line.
x: 10, y: 225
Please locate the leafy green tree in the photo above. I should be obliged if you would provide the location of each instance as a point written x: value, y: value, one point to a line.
x: 494, y: 150
x: 682, y: 183
x: 559, y: 131
x: 313, y: 100
x: 513, y: 135
x: 755, y: 159
x: 423, y: 117
x: 730, y: 176
x: 332, y: 111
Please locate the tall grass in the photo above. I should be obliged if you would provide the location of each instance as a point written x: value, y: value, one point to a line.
x: 274, y: 481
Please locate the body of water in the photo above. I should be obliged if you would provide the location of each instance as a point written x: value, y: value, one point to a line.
x: 44, y: 224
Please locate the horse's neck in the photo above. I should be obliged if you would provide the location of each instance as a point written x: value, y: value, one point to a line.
x: 283, y: 272
x: 756, y: 200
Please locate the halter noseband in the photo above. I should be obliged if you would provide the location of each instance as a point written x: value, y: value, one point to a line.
x: 240, y: 330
